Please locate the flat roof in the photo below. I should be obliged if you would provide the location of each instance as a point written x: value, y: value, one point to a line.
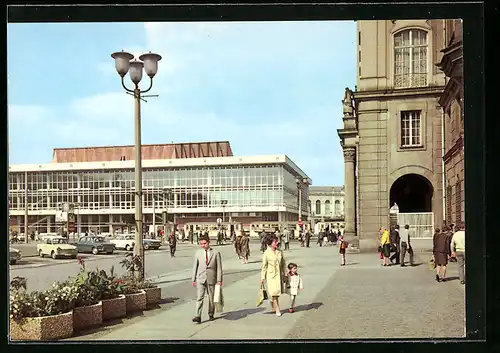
x: 163, y: 163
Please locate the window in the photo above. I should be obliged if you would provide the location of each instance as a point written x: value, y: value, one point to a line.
x: 359, y: 56
x: 411, y: 129
x: 410, y: 59
x: 328, y: 209
x: 458, y: 202
x: 449, y: 192
x: 318, y: 207
x: 359, y: 38
x: 337, y: 208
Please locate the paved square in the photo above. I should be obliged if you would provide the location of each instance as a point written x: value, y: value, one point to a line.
x: 360, y: 300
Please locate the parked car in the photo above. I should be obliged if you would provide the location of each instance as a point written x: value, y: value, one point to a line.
x: 57, y: 247
x: 123, y: 242
x: 151, y: 244
x: 15, y: 255
x: 94, y: 245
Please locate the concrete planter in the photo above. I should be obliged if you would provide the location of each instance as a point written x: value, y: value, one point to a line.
x: 153, y: 295
x: 136, y: 302
x: 87, y: 316
x: 114, y: 308
x: 45, y: 328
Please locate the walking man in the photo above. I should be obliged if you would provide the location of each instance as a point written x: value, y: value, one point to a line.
x: 396, y: 243
x: 172, y: 243
x: 308, y: 237
x: 286, y: 234
x: 207, y: 271
x: 458, y: 251
x: 406, y: 245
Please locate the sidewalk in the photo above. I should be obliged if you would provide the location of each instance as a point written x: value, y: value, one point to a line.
x: 360, y: 300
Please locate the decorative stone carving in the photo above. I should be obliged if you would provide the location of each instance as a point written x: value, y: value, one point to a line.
x: 349, y: 155
x: 347, y: 102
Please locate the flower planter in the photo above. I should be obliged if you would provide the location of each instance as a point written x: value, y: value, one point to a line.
x: 114, y: 308
x: 45, y: 328
x: 153, y: 295
x: 87, y: 316
x: 136, y: 301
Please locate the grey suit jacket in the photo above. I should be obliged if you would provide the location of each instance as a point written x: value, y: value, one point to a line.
x: 211, y: 273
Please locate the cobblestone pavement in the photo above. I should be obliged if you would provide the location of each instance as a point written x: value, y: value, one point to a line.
x: 360, y: 300
x: 394, y: 302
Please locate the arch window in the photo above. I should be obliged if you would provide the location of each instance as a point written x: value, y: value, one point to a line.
x: 410, y: 58
x: 337, y: 207
x: 328, y: 208
x: 318, y: 207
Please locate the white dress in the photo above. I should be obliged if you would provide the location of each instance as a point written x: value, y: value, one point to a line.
x: 294, y: 283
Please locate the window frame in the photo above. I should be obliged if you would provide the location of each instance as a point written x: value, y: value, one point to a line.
x: 410, y: 113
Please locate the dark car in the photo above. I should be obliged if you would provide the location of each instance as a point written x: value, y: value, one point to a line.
x: 151, y: 244
x: 94, y: 245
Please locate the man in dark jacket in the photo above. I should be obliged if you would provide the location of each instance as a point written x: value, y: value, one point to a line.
x: 395, y: 244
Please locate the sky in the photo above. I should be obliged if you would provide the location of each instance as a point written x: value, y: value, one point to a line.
x: 266, y: 87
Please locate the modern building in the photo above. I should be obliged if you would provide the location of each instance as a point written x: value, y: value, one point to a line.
x: 192, y: 184
x: 452, y: 101
x: 327, y: 205
x: 393, y: 129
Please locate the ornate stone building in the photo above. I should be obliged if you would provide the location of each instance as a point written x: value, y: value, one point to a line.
x: 392, y: 135
x: 327, y: 204
x: 452, y: 103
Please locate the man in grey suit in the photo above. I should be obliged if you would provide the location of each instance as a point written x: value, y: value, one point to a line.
x: 207, y: 271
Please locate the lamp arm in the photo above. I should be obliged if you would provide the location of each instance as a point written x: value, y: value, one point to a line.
x: 150, y: 86
x: 125, y: 87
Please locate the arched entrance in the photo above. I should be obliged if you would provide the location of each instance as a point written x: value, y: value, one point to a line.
x: 412, y: 193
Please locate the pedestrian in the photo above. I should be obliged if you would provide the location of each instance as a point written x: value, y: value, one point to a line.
x: 396, y: 244
x: 385, y: 243
x: 273, y: 272
x: 406, y: 245
x: 302, y: 238
x: 207, y: 271
x: 183, y: 235
x: 263, y: 241
x: 286, y: 239
x: 458, y: 250
x: 244, y: 247
x: 172, y: 243
x: 441, y: 251
x: 449, y: 235
x: 308, y: 238
x: 294, y: 283
x: 278, y: 235
x: 237, y: 246
x: 342, y: 244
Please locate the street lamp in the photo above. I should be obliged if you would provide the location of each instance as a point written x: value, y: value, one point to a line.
x: 223, y: 203
x: 166, y: 197
x: 124, y: 64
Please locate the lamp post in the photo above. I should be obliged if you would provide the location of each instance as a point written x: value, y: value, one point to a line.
x: 124, y: 64
x: 223, y: 203
x: 166, y: 196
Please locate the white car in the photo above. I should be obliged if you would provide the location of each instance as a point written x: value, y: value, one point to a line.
x: 124, y: 242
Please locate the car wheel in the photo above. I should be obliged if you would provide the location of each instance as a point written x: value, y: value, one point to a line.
x: 53, y: 255
x: 95, y: 251
x: 146, y: 247
x: 40, y: 253
x: 127, y: 247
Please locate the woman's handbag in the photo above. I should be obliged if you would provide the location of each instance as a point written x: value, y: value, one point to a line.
x: 262, y: 295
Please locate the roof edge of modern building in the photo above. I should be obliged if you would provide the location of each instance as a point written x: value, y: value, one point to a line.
x: 143, y: 145
x: 158, y: 163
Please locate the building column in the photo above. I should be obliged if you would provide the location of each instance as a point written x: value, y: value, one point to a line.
x: 350, y: 192
x: 49, y: 226
x: 110, y: 224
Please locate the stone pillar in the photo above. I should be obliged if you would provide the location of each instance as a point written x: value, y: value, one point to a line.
x: 350, y: 193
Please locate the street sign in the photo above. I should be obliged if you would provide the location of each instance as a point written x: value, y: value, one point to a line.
x: 300, y: 223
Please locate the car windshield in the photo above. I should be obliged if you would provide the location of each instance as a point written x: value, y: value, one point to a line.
x: 59, y: 241
x: 98, y: 240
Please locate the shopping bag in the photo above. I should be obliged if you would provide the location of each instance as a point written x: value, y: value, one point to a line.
x: 432, y: 263
x: 218, y: 298
x: 262, y: 295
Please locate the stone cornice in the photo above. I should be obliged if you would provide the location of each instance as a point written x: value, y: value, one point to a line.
x: 451, y: 63
x: 454, y: 150
x: 451, y: 91
x: 391, y: 93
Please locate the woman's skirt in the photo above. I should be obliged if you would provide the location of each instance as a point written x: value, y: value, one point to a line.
x: 387, y: 250
x: 441, y: 259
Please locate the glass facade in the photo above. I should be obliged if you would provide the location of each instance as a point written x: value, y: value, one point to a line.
x: 195, y: 187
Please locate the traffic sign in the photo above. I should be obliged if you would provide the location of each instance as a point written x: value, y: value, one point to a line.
x: 300, y: 222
